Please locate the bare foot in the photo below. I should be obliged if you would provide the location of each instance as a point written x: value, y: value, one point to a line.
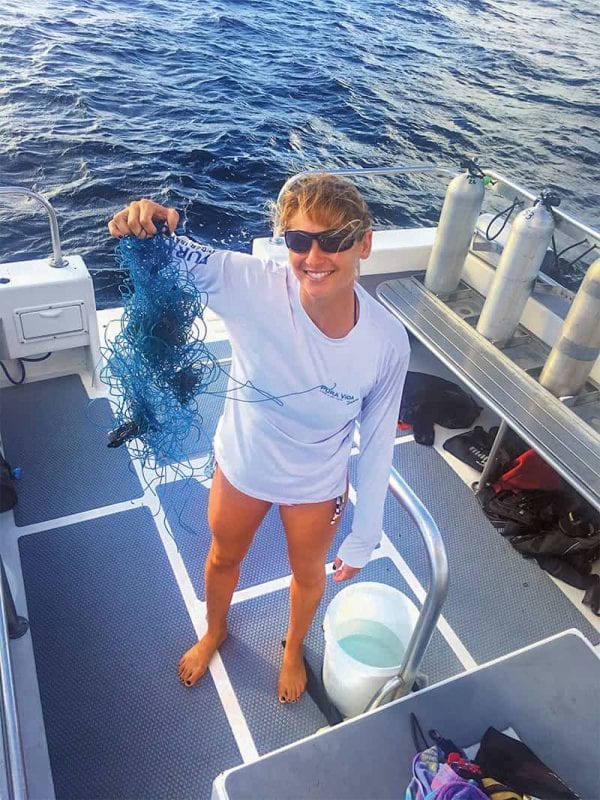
x: 292, y: 678
x: 194, y: 663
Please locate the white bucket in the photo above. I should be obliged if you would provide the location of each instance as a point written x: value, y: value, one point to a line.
x: 367, y: 630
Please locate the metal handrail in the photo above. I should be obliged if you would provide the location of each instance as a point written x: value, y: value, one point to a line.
x: 499, y: 184
x: 417, y: 168
x: 402, y: 683
x: 13, y: 749
x: 56, y: 259
x: 360, y: 171
x: 565, y: 223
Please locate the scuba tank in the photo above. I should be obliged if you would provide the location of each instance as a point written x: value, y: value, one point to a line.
x: 578, y: 345
x: 460, y: 211
x: 519, y: 264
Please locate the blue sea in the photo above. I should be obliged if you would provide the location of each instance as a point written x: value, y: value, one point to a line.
x: 209, y: 106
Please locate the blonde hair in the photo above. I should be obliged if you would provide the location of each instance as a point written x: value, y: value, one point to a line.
x: 326, y: 199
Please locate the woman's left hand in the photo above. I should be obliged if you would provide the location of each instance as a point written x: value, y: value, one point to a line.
x: 343, y: 572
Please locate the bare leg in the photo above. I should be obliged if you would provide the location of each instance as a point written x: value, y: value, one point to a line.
x: 309, y: 535
x: 233, y: 518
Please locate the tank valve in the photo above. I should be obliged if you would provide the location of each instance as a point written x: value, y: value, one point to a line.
x: 548, y: 198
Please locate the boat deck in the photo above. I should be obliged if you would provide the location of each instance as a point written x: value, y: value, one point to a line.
x: 108, y: 571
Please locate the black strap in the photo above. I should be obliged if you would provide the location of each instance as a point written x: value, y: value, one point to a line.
x: 419, y: 739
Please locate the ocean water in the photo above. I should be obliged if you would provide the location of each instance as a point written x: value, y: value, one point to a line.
x: 211, y: 106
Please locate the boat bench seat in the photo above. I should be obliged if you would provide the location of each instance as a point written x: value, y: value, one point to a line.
x: 553, y: 429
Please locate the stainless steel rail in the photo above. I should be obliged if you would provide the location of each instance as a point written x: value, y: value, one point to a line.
x: 366, y: 171
x: 402, y: 683
x: 500, y: 185
x: 568, y: 225
x: 11, y: 737
x: 56, y: 259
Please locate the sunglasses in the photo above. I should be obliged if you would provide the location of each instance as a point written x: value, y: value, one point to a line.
x: 328, y: 241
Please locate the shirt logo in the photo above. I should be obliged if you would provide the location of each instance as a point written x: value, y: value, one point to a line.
x: 344, y: 397
x: 191, y: 251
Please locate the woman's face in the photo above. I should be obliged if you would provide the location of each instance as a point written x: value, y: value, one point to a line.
x: 325, y: 275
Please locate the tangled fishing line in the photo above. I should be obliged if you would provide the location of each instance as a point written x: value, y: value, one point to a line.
x: 158, y: 367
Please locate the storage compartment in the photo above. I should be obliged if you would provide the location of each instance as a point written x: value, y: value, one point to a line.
x: 53, y: 320
x: 547, y: 693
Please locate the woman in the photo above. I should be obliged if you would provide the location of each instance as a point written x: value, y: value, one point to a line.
x: 312, y: 353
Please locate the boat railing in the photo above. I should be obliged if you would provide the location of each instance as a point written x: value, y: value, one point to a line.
x: 564, y: 222
x: 56, y: 259
x: 499, y: 184
x: 14, y: 762
x: 402, y: 683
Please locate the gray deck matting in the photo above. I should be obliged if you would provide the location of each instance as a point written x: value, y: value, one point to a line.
x: 497, y: 600
x: 108, y: 627
x: 52, y: 430
x: 252, y: 657
x: 220, y: 349
x: 185, y: 504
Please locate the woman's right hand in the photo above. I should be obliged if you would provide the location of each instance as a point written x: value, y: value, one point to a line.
x: 136, y: 219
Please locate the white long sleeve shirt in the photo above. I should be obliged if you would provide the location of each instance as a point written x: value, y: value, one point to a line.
x: 294, y: 394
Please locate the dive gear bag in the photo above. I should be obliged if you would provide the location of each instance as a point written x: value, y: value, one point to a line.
x: 427, y: 399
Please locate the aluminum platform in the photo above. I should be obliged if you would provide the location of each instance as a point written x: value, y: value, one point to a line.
x: 569, y: 443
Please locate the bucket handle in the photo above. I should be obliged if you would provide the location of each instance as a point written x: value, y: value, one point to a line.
x: 401, y: 684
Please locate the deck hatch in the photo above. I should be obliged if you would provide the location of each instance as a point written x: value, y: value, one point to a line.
x: 54, y: 320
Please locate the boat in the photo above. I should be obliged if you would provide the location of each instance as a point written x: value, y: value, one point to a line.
x: 102, y: 585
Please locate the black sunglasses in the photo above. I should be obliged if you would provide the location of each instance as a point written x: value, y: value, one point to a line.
x: 328, y: 241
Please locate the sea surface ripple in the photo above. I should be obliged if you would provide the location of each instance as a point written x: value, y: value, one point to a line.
x: 211, y: 106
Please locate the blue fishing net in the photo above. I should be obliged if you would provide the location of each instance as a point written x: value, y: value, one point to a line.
x: 158, y: 367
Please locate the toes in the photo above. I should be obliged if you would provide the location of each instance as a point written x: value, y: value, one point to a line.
x: 182, y: 664
x: 291, y: 695
x: 284, y: 696
x: 186, y: 673
x: 187, y: 678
